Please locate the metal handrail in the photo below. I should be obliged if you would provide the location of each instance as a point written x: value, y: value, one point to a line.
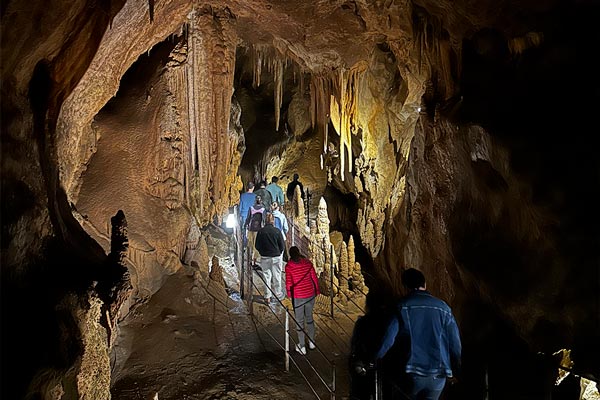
x: 352, y: 301
x: 290, y: 314
x: 330, y: 389
x: 348, y: 280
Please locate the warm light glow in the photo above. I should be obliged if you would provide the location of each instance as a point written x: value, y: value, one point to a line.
x: 419, y: 109
x: 230, y: 222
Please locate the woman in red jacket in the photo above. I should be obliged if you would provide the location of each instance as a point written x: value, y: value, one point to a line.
x: 302, y: 287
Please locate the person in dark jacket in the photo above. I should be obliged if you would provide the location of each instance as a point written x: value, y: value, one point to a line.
x: 265, y: 195
x: 291, y: 188
x: 428, y: 330
x: 302, y: 287
x: 270, y: 246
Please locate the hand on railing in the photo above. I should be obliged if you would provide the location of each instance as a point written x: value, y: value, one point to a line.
x: 361, y: 368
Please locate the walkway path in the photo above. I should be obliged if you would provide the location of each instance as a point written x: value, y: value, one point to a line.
x: 193, y: 341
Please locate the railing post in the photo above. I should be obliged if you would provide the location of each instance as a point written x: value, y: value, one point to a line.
x: 331, y: 279
x: 333, y: 381
x: 376, y: 386
x: 293, y: 233
x: 287, y: 340
x: 251, y: 287
x: 243, y: 272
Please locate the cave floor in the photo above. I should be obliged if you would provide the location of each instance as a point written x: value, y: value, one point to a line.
x: 191, y: 340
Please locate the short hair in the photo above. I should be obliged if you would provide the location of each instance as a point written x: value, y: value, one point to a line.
x: 295, y: 253
x: 250, y: 185
x: 413, y: 279
x: 270, y: 219
x: 296, y: 176
x: 274, y: 205
x: 258, y: 199
x: 263, y: 183
x: 274, y: 179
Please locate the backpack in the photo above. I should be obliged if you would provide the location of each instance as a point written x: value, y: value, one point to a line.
x: 256, y: 218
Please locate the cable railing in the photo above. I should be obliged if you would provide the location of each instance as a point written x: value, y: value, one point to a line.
x: 330, y: 387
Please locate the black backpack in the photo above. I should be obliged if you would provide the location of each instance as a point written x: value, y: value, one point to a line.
x: 255, y: 220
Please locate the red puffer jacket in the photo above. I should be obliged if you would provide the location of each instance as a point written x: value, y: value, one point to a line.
x: 301, y: 279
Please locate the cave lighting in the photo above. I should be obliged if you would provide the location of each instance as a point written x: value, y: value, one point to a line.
x: 230, y: 221
x: 419, y: 109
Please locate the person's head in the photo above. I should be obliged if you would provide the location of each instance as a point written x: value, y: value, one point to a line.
x: 274, y: 206
x: 274, y: 179
x: 295, y: 253
x: 258, y: 200
x: 263, y: 184
x: 296, y: 176
x: 269, y: 219
x: 413, y: 279
x: 250, y: 186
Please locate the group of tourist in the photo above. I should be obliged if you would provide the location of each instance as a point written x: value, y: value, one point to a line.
x: 265, y: 229
x: 422, y: 326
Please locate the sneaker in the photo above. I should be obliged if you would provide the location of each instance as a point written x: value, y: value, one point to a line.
x: 301, y: 349
x: 311, y: 345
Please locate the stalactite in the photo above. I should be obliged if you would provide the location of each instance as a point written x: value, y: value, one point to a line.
x: 275, y: 63
x: 210, y: 72
x: 320, y: 96
x: 276, y: 67
x: 344, y: 106
x: 257, y: 61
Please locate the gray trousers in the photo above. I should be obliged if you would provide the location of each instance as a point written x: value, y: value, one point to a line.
x: 271, y: 270
x: 303, y: 309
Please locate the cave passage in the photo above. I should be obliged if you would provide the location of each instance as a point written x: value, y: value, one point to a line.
x: 454, y: 137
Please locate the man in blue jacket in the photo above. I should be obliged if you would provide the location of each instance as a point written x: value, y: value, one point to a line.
x: 428, y: 334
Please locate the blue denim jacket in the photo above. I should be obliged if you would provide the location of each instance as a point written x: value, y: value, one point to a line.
x: 430, y: 334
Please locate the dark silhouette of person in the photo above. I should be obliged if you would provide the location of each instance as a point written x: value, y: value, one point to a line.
x: 291, y: 188
x: 425, y: 327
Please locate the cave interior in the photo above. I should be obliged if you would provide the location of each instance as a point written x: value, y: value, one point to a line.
x: 455, y: 137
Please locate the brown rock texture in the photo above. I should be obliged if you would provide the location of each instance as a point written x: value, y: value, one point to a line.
x: 459, y: 134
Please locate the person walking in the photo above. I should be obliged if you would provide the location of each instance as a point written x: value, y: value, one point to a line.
x: 254, y: 222
x: 265, y: 195
x: 270, y: 246
x: 302, y: 287
x: 428, y: 335
x: 292, y: 187
x: 247, y: 199
x: 280, y: 221
x: 276, y: 191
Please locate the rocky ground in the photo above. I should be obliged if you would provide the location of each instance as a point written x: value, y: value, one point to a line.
x: 192, y: 340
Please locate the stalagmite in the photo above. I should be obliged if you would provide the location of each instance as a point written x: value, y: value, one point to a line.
x: 351, y: 255
x: 344, y: 267
x: 216, y: 272
x: 323, y: 218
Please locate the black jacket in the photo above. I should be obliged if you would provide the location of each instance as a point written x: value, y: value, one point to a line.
x: 269, y: 241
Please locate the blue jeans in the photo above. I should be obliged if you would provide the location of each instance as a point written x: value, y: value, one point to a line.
x: 426, y: 387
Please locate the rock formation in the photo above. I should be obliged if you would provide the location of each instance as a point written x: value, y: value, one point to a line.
x: 459, y: 134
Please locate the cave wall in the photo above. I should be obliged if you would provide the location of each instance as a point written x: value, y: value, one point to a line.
x: 50, y: 309
x: 499, y: 208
